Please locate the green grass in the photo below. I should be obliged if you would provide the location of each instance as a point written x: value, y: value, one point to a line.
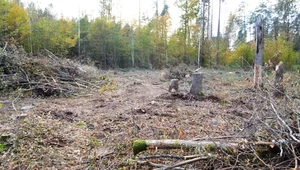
x: 3, y: 148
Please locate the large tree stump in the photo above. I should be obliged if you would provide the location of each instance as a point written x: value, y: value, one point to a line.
x: 278, y: 82
x: 196, y: 88
x: 174, y: 85
x: 258, y: 68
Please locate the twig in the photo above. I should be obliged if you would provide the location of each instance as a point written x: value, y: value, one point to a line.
x: 4, y: 47
x: 267, y: 165
x: 290, y: 130
x: 169, y: 156
x: 155, y: 165
x: 217, y: 137
x: 162, y: 156
x: 184, y: 163
x: 295, y: 157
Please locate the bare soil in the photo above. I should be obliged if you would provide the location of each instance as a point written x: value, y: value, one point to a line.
x: 96, y: 129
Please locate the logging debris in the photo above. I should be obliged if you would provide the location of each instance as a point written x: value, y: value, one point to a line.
x: 43, y: 75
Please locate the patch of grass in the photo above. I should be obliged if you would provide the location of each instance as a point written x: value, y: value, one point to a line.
x: 109, y: 86
x: 223, y: 102
x: 94, y: 142
x: 3, y: 148
x: 81, y: 123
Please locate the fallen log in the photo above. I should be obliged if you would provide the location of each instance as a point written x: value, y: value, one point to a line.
x: 142, y: 145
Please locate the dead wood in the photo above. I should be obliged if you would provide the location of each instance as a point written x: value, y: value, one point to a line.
x: 278, y: 82
x: 142, y: 145
x: 48, y: 75
x: 196, y: 88
x: 258, y: 63
x: 174, y: 85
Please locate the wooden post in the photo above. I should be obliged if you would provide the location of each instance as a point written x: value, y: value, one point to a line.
x: 258, y: 68
x: 174, y: 85
x: 278, y: 80
x: 196, y: 88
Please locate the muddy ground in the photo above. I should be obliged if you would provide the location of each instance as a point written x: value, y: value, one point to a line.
x: 96, y: 129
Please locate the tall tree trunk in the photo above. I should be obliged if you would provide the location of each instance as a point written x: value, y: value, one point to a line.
x: 218, y: 35
x: 185, y: 33
x: 258, y: 68
x: 199, y: 35
x: 208, y: 20
x: 132, y: 48
x: 203, y: 28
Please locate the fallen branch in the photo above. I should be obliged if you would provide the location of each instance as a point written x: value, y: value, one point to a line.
x: 169, y: 156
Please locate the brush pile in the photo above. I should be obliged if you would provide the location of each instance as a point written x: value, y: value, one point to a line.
x: 44, y: 74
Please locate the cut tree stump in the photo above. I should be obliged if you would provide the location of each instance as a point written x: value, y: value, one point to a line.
x: 174, y: 85
x: 278, y: 82
x: 196, y: 88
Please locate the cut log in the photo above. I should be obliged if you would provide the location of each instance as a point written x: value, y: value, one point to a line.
x: 174, y: 85
x: 142, y: 145
x: 278, y: 82
x: 196, y: 88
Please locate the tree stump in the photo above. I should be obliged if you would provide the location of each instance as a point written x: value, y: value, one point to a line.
x: 278, y: 82
x: 258, y: 68
x: 196, y: 88
x: 174, y: 85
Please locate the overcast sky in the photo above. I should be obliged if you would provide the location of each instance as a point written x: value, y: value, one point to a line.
x: 128, y: 10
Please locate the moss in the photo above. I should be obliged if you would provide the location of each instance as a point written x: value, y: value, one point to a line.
x: 176, y: 143
x: 210, y: 147
x: 138, y: 146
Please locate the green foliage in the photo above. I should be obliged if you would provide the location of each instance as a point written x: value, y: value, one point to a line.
x: 3, y: 148
x: 81, y: 123
x: 288, y: 55
x: 109, y: 43
x: 242, y: 56
x: 94, y: 142
x: 14, y: 22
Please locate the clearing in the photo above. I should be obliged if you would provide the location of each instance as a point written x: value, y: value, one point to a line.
x: 96, y: 129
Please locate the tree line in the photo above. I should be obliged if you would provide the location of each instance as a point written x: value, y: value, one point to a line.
x: 148, y: 42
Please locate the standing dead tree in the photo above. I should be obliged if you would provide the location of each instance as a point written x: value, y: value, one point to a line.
x: 258, y: 68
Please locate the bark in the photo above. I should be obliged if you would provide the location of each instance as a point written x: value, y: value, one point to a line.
x: 174, y: 85
x: 196, y: 88
x: 258, y: 68
x: 141, y: 145
x: 259, y: 147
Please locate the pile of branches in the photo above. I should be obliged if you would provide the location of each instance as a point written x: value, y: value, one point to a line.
x: 41, y: 75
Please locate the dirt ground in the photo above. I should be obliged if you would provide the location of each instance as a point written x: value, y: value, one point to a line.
x: 96, y: 129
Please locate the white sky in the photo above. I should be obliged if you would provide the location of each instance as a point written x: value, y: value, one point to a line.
x: 129, y: 9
